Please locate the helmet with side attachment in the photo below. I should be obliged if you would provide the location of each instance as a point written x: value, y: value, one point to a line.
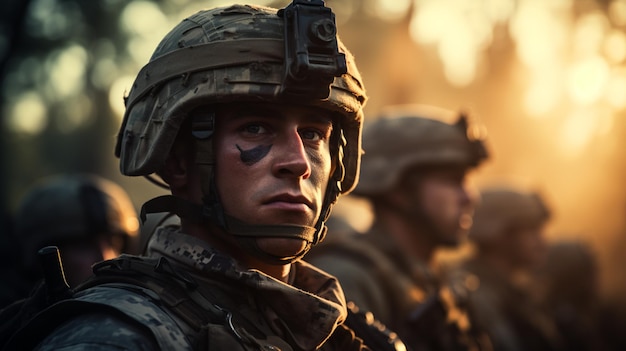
x: 244, y: 53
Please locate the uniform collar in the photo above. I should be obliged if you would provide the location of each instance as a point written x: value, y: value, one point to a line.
x: 312, y: 307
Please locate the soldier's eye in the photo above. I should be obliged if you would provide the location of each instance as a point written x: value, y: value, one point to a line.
x: 312, y: 135
x: 254, y: 129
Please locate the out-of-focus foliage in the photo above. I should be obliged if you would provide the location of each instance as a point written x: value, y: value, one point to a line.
x: 546, y: 78
x: 55, y: 86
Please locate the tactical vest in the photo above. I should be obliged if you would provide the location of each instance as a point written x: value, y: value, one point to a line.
x: 188, y: 318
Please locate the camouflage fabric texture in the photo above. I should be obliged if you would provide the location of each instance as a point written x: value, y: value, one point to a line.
x: 99, y: 332
x: 305, y: 315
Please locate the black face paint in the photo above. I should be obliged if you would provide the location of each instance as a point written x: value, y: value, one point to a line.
x: 254, y: 155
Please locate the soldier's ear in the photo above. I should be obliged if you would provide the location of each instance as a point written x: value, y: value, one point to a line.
x: 176, y: 170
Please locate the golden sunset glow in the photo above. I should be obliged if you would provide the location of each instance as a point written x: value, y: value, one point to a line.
x: 545, y: 80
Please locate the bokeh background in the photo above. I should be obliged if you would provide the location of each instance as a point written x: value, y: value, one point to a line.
x: 546, y: 80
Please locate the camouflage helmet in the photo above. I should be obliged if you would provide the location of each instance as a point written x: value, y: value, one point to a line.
x: 405, y: 137
x: 74, y: 207
x: 237, y: 53
x: 502, y: 209
x: 243, y: 53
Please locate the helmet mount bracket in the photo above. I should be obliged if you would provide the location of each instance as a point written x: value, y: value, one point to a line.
x: 312, y: 57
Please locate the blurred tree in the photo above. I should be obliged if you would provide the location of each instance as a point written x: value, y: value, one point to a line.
x: 57, y: 70
x: 12, y: 14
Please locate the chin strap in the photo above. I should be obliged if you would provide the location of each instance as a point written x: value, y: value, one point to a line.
x: 245, y: 233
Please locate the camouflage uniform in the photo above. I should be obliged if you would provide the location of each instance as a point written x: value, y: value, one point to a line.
x: 310, y: 308
x: 376, y: 274
x: 217, y: 60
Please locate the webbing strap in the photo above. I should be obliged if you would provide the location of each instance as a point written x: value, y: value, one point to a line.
x: 173, y: 204
x: 240, y: 228
x: 205, y: 159
x: 185, y: 209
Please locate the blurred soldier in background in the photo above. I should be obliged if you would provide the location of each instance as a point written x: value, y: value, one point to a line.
x: 570, y: 283
x: 252, y: 116
x: 87, y: 217
x: 414, y: 173
x: 508, y: 234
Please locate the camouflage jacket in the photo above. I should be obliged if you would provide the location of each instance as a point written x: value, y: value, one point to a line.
x: 401, y: 291
x: 260, y: 312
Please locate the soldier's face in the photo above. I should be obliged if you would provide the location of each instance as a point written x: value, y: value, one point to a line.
x: 527, y: 246
x: 444, y: 200
x: 273, y: 164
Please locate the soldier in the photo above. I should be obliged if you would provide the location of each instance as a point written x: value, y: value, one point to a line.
x: 413, y: 172
x: 508, y: 234
x: 570, y: 279
x: 252, y: 116
x: 88, y: 217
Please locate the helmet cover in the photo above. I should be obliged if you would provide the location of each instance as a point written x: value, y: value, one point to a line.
x: 226, y: 54
x: 74, y: 207
x: 502, y: 209
x: 406, y: 137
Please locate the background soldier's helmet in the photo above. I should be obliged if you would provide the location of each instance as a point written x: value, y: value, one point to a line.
x: 229, y: 54
x: 408, y: 137
x: 68, y: 208
x: 501, y: 210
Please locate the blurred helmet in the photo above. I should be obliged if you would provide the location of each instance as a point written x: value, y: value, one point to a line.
x: 244, y: 53
x: 404, y: 138
x: 501, y: 210
x: 69, y: 208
